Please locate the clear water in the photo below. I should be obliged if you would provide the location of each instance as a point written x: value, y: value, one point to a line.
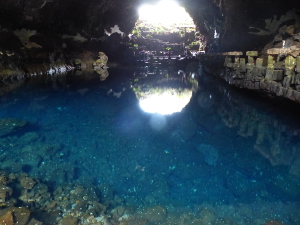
x: 236, y: 155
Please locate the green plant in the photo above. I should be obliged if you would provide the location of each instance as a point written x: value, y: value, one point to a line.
x: 136, y: 32
x: 149, y: 36
x: 195, y: 43
x: 181, y: 33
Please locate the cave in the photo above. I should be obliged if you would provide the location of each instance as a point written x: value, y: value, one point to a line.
x: 72, y: 34
x: 117, y: 114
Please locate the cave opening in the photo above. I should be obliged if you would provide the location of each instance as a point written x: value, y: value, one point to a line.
x: 166, y: 12
x: 166, y: 27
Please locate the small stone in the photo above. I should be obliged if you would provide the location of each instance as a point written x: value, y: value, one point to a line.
x: 117, y: 212
x: 3, y: 197
x: 134, y: 222
x: 34, y: 222
x: 155, y: 214
x: 207, y: 216
x: 3, y: 180
x: 51, y: 205
x: 5, y: 193
x: 21, y: 215
x: 69, y: 220
x: 27, y: 182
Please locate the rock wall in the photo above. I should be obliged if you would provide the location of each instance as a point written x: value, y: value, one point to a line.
x: 90, y: 17
x: 48, y: 31
x: 275, y: 70
x: 48, y: 36
x: 239, y: 22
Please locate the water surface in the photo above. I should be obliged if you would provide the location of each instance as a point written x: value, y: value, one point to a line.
x: 231, y: 153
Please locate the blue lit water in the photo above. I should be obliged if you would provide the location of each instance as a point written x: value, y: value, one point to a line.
x: 228, y: 150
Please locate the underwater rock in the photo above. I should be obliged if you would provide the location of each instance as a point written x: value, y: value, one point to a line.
x: 122, y: 214
x: 295, y: 167
x: 3, y: 180
x: 207, y: 216
x: 6, y: 191
x: 10, y: 125
x: 273, y: 222
x: 77, y: 201
x: 46, y: 150
x: 134, y: 222
x: 6, y: 179
x: 285, y: 186
x: 37, y: 197
x: 7, y: 219
x: 27, y: 182
x: 31, y: 161
x: 118, y: 212
x: 21, y: 215
x: 15, y: 215
x: 211, y: 155
x: 29, y: 137
x: 155, y: 214
x: 5, y: 194
x: 107, y: 191
x: 34, y: 222
x: 69, y: 220
x: 81, y: 206
x: 242, y: 187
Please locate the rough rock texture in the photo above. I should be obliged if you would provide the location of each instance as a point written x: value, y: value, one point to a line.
x: 66, y: 16
x: 52, y: 24
x: 241, y: 23
x: 49, y: 33
x: 10, y: 125
x: 275, y: 70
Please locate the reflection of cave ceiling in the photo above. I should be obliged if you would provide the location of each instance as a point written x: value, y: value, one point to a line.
x: 89, y: 18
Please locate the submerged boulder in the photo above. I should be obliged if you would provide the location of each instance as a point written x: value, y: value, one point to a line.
x: 10, y: 125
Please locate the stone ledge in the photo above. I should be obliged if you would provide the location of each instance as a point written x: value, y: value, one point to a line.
x: 277, y: 76
x: 293, y: 50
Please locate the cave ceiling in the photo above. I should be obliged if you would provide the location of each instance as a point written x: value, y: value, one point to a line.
x: 232, y: 19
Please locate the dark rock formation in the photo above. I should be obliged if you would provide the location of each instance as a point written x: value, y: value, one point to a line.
x: 8, y: 126
x: 241, y: 24
x: 54, y: 33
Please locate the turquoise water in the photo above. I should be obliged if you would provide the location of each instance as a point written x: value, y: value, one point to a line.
x: 236, y: 154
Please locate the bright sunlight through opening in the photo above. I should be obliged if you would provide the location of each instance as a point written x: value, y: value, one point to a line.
x: 165, y: 12
x: 166, y: 102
